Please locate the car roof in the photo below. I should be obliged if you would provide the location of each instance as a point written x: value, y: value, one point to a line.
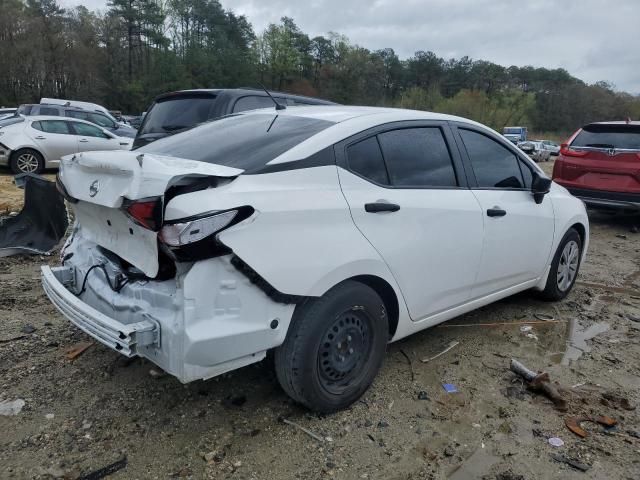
x: 35, y: 118
x: 239, y: 92
x: 616, y: 122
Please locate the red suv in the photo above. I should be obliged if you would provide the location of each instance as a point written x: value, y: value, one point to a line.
x: 600, y: 164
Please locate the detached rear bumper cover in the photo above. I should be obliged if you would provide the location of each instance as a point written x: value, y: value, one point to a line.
x: 124, y: 338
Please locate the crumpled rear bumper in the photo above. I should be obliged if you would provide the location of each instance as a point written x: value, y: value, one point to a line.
x: 122, y: 337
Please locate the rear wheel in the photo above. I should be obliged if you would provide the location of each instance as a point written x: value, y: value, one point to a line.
x: 564, y: 267
x: 26, y: 160
x: 334, y: 347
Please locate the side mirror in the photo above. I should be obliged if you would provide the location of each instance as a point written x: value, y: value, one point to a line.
x: 540, y: 187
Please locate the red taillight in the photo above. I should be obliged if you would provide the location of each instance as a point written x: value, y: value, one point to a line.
x: 146, y: 213
x: 567, y: 151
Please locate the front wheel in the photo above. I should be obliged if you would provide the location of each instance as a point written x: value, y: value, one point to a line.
x: 334, y: 347
x: 564, y: 267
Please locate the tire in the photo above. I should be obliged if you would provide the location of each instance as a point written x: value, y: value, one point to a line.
x: 334, y: 347
x: 558, y: 285
x: 26, y: 160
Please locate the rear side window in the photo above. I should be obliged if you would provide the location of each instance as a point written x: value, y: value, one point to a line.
x: 365, y: 158
x: 54, y: 126
x: 177, y: 113
x: 609, y: 136
x: 254, y: 102
x: 48, y: 111
x: 241, y: 141
x: 417, y: 157
x: 493, y: 164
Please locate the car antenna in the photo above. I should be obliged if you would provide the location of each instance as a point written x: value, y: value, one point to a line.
x: 279, y: 106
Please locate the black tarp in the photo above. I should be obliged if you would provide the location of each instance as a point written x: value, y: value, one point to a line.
x: 41, y: 223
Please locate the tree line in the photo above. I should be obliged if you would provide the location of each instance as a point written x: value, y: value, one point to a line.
x: 137, y: 49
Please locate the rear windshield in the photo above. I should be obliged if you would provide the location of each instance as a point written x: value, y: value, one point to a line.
x: 11, y: 121
x: 247, y: 142
x: 172, y: 114
x: 609, y: 136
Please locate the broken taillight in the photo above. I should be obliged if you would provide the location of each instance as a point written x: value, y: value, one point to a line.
x: 146, y: 212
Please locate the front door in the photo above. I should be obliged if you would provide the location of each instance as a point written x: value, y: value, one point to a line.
x: 407, y: 194
x: 518, y: 232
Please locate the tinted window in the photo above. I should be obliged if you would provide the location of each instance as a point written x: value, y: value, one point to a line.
x: 48, y: 111
x: 253, y: 102
x: 172, y: 114
x: 101, y: 120
x: 76, y: 114
x: 493, y: 164
x: 417, y: 157
x: 25, y: 109
x: 54, y: 126
x: 609, y: 136
x: 527, y: 174
x: 365, y: 159
x: 240, y: 141
x: 88, y: 130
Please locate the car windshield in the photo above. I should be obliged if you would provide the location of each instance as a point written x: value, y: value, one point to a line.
x: 247, y: 142
x: 609, y: 136
x: 176, y: 113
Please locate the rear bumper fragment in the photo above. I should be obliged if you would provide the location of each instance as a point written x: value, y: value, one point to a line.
x: 124, y: 338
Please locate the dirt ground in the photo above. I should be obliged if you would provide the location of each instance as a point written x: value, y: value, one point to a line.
x: 82, y: 415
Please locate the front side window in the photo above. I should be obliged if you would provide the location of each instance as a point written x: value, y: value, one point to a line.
x: 418, y: 157
x: 55, y: 126
x: 365, y: 158
x: 254, y: 102
x: 101, y: 120
x: 493, y: 164
x: 85, y: 130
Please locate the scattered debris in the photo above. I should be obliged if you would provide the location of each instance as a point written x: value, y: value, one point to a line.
x: 544, y: 317
x: 573, y: 423
x: 583, y: 467
x: 156, y: 373
x: 556, y: 442
x: 617, y: 401
x: 623, y: 237
x: 410, y: 365
x: 105, y: 471
x: 422, y: 395
x: 526, y: 328
x: 497, y: 324
x: 9, y: 408
x: 49, y: 416
x: 28, y: 328
x: 35, y: 230
x: 540, y: 382
x: 77, y: 350
x: 300, y: 427
x: 451, y: 345
x: 449, y: 387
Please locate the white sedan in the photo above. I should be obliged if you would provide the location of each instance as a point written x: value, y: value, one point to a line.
x: 321, y: 233
x: 31, y: 144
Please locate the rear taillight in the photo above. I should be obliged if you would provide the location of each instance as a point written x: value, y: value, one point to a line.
x: 566, y: 150
x: 146, y: 212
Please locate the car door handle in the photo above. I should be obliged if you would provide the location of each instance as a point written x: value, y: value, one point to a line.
x: 40, y: 137
x: 84, y: 140
x: 381, y: 207
x: 496, y: 212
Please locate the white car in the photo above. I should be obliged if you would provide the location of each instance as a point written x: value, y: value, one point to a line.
x: 322, y: 233
x: 552, y: 147
x: 31, y: 144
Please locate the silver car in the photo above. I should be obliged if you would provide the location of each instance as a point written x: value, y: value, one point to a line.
x: 31, y: 144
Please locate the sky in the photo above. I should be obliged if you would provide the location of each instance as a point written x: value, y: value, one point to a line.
x: 592, y: 39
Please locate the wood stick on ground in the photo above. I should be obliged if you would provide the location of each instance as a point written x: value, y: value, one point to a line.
x: 428, y: 359
x: 300, y: 427
x: 540, y: 382
x: 410, y: 365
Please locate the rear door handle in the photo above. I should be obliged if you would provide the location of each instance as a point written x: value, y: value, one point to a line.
x: 496, y: 212
x: 84, y: 140
x: 40, y: 137
x: 381, y: 207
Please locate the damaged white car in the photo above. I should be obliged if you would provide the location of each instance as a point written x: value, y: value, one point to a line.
x: 320, y: 232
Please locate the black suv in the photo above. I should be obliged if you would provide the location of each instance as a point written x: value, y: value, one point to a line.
x: 100, y: 119
x: 177, y: 111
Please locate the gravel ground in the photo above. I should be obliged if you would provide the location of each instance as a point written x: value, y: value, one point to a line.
x: 82, y: 415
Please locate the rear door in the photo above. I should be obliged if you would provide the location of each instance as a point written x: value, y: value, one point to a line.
x: 407, y: 192
x: 518, y: 232
x: 53, y: 138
